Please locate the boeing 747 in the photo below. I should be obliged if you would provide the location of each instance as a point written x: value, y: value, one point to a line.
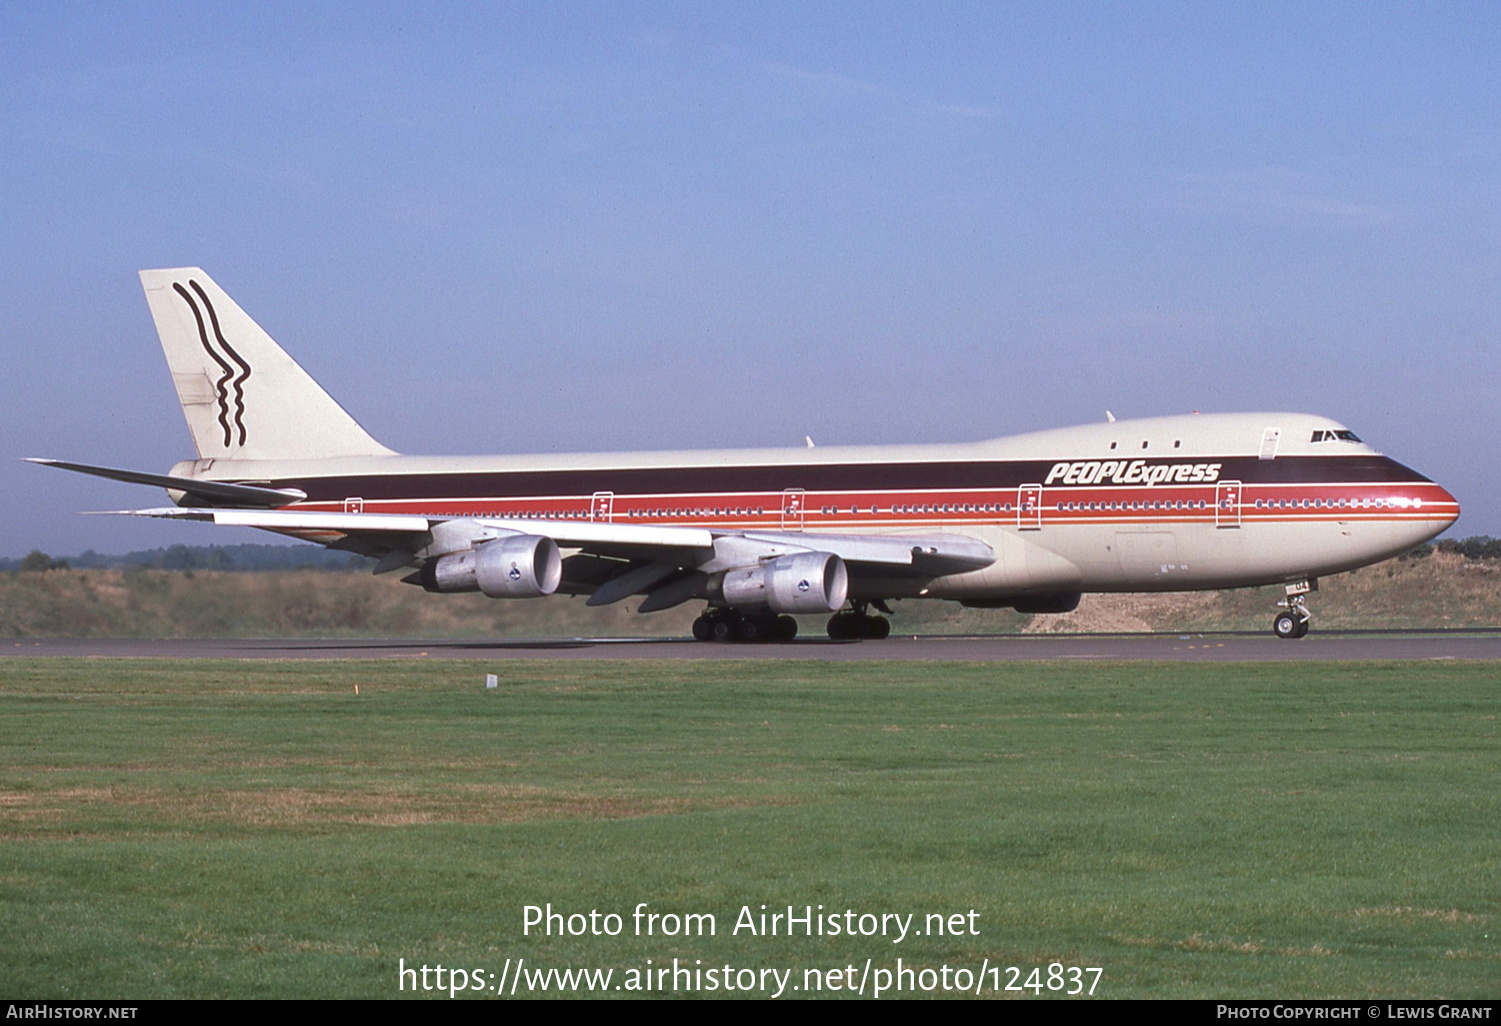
x: 1029, y: 522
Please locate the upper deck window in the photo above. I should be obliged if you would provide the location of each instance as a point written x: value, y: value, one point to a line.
x: 1334, y: 436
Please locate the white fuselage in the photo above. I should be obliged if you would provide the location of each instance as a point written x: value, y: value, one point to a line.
x: 1163, y: 504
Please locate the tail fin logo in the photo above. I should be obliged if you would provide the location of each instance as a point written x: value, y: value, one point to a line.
x: 235, y: 370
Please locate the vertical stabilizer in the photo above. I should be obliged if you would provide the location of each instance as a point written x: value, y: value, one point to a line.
x: 242, y: 395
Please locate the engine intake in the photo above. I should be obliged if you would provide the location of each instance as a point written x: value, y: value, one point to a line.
x: 521, y: 566
x: 809, y: 582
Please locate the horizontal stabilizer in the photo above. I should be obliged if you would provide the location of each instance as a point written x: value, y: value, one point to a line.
x: 215, y: 492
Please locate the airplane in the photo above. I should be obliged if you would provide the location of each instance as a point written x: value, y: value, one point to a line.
x: 1030, y: 522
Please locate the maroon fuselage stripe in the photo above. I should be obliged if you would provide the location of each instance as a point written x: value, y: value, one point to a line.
x: 816, y: 477
x: 902, y: 494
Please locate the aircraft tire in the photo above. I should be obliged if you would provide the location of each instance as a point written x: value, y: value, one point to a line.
x: 722, y: 629
x: 875, y: 628
x: 786, y: 628
x: 1289, y: 625
x: 748, y: 629
x: 703, y: 629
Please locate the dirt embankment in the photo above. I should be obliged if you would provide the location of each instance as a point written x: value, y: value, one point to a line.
x: 1439, y: 590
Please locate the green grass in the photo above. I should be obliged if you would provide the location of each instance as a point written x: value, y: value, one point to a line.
x: 256, y: 829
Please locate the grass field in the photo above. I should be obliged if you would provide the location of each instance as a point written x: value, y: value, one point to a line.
x: 207, y: 829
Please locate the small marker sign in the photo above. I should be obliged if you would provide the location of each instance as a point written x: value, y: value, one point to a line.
x: 491, y: 680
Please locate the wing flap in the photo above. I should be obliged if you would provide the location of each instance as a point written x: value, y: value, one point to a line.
x: 640, y: 578
x: 928, y: 555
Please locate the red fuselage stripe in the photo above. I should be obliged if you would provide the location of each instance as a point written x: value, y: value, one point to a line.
x: 1026, y: 506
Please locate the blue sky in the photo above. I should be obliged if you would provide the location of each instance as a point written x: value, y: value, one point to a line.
x: 554, y: 227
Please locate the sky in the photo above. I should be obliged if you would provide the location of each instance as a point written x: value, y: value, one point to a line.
x: 554, y: 227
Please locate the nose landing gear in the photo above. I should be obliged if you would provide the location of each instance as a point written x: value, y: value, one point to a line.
x: 1294, y: 620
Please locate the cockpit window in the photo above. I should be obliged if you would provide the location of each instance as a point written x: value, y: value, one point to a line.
x: 1334, y: 436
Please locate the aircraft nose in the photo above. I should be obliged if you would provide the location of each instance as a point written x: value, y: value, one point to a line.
x: 1447, y: 505
x: 1439, y: 509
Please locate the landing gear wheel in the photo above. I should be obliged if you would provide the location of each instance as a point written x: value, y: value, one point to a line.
x: 1287, y: 625
x: 1291, y: 624
x: 843, y: 627
x: 1295, y: 619
x: 855, y: 626
x: 743, y: 626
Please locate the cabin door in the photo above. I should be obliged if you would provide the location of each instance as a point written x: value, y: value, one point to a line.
x: 602, y: 508
x: 794, y: 500
x: 1227, y: 504
x: 1029, y: 507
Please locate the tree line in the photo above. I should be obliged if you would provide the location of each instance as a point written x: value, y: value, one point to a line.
x: 241, y: 558
x: 255, y: 558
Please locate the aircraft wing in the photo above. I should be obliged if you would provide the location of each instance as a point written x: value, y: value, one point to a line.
x: 612, y: 561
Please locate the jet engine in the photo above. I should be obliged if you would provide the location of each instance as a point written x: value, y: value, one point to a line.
x: 808, y: 582
x: 520, y: 566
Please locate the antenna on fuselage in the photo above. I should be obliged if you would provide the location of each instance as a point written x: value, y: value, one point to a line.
x: 1110, y: 417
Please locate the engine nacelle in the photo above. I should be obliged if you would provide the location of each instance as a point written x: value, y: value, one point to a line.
x: 521, y: 566
x: 808, y: 582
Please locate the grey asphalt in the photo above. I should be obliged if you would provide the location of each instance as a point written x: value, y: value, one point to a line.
x: 1221, y: 647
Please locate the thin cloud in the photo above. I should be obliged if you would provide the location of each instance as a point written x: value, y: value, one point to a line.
x: 829, y: 82
x: 959, y: 110
x: 1279, y: 190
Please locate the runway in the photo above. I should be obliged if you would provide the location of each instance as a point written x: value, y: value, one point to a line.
x: 1327, y: 646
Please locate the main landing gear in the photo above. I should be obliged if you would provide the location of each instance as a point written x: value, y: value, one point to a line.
x: 748, y: 625
x: 1295, y: 618
x: 858, y: 625
x: 743, y: 625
